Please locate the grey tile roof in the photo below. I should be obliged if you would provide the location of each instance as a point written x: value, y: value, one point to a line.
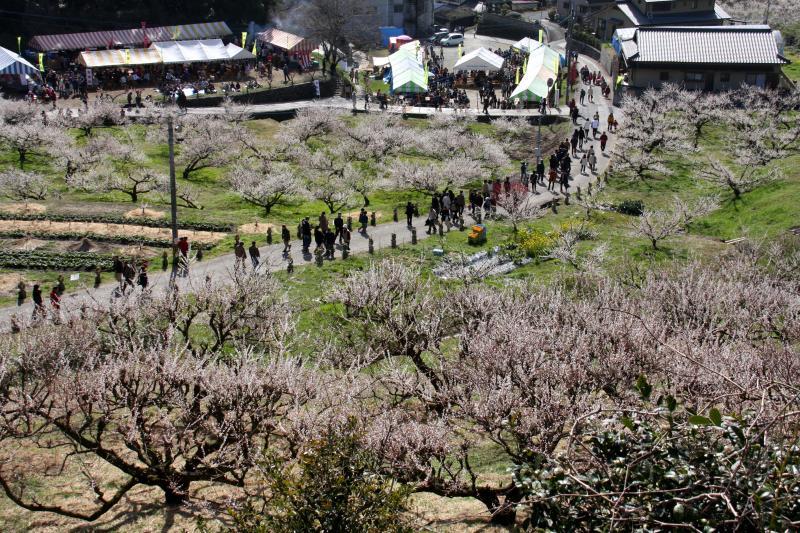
x: 637, y: 18
x: 746, y: 45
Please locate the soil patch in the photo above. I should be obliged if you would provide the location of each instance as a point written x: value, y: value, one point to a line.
x: 108, y: 229
x: 24, y: 209
x: 256, y: 227
x: 144, y: 213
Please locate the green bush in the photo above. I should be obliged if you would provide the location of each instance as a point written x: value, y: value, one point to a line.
x: 57, y: 261
x: 661, y: 464
x: 117, y: 219
x: 534, y: 243
x: 116, y: 239
x: 630, y: 207
x: 335, y: 487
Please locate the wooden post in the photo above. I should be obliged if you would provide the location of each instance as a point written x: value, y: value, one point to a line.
x: 554, y: 206
x: 394, y: 215
x: 578, y: 193
x: 394, y: 240
x: 372, y: 220
x: 414, y: 236
x: 269, y: 235
x: 371, y: 246
x: 566, y: 198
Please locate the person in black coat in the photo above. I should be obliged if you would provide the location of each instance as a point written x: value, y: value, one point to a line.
x: 409, y: 214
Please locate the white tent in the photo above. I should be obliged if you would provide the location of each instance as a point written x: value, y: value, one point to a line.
x: 380, y: 61
x: 543, y: 66
x: 526, y: 44
x: 13, y: 63
x: 199, y: 51
x: 480, y: 59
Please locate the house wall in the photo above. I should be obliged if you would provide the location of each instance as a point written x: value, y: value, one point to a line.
x: 700, y: 77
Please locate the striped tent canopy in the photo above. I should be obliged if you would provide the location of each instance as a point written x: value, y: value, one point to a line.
x: 114, y: 58
x: 286, y: 41
x: 13, y: 63
x: 132, y: 37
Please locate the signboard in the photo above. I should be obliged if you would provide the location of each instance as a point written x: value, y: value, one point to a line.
x: 89, y: 77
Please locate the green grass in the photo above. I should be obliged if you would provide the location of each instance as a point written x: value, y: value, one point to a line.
x: 793, y: 70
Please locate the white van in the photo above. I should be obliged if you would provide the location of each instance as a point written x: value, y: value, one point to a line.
x: 454, y: 39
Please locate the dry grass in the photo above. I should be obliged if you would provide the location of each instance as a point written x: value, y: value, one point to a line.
x: 107, y: 229
x: 24, y: 209
x: 143, y: 212
x: 256, y: 227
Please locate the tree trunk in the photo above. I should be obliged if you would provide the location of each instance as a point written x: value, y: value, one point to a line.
x: 504, y: 514
x: 134, y: 196
x: 366, y: 200
x: 21, y: 159
x: 176, y: 494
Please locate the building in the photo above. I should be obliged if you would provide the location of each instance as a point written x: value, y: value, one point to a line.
x: 708, y: 58
x: 604, y: 18
x: 414, y: 16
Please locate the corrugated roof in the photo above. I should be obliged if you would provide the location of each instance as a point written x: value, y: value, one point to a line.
x: 132, y: 37
x: 747, y: 45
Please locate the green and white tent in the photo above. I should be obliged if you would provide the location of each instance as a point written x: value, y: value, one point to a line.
x: 543, y: 65
x: 410, y: 81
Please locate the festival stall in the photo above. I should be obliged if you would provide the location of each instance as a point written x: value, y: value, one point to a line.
x: 296, y: 46
x: 396, y: 42
x: 133, y: 37
x: 526, y: 45
x: 410, y: 81
x: 543, y: 65
x: 170, y: 52
x: 15, y: 71
x: 480, y: 59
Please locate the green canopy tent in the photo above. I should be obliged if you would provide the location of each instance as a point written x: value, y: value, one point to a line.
x: 543, y: 65
x: 410, y: 81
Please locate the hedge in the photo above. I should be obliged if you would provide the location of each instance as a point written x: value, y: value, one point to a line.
x: 118, y: 219
x: 115, y: 239
x: 63, y: 261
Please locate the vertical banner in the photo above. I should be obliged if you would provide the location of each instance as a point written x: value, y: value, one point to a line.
x: 244, y: 39
x: 89, y: 77
x: 541, y: 35
x: 127, y: 56
x: 41, y: 62
x: 255, y: 53
x: 19, y: 45
x: 517, y: 82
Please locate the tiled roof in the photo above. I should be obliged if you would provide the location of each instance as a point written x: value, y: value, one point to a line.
x: 746, y: 45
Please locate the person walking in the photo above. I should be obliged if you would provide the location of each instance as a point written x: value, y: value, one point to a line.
x: 323, y: 222
x: 564, y: 182
x: 241, y: 255
x: 286, y: 236
x: 523, y: 171
x: 552, y: 178
x: 363, y: 219
x: 595, y: 126
x: 183, y: 248
x: 143, y: 280
x: 38, y: 303
x: 540, y: 172
x: 592, y: 159
x: 338, y: 224
x: 603, y: 141
x: 591, y: 94
x: 581, y: 138
x: 330, y: 244
x: 319, y: 238
x: 430, y: 222
x: 255, y: 255
x: 574, y: 143
x: 587, y: 125
x: 583, y: 95
x: 584, y: 162
x: 117, y: 265
x: 409, y: 214
x: 21, y: 293
x: 305, y: 234
x: 610, y: 121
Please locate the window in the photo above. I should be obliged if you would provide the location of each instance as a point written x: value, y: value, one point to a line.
x: 759, y: 80
x: 663, y: 76
x: 724, y: 77
x: 694, y: 76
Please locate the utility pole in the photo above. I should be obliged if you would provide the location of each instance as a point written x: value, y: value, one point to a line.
x: 568, y: 50
x: 173, y: 194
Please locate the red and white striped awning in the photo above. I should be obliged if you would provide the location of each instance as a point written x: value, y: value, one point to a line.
x: 286, y: 41
x: 132, y: 37
x: 113, y: 58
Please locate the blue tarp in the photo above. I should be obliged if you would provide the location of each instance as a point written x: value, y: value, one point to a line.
x: 389, y: 31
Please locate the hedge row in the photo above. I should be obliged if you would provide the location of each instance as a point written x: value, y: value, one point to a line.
x: 115, y: 239
x: 117, y: 219
x: 63, y: 261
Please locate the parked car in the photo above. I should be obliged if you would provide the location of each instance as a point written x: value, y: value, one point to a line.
x: 438, y: 36
x: 454, y: 39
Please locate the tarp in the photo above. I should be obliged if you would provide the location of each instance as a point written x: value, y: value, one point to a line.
x: 13, y: 63
x: 543, y: 65
x: 388, y: 32
x: 114, y: 58
x: 132, y: 37
x: 199, y: 51
x: 286, y: 41
x: 480, y: 59
x: 380, y: 61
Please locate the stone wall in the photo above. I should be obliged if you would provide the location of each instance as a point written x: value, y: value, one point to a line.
x: 278, y: 93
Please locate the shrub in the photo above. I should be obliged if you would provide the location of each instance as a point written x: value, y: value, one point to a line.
x: 662, y: 464
x: 535, y: 243
x: 582, y: 228
x: 335, y: 487
x: 59, y: 261
x: 630, y: 207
